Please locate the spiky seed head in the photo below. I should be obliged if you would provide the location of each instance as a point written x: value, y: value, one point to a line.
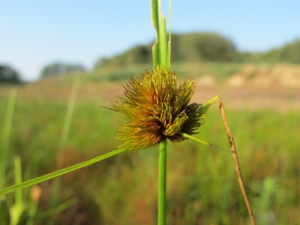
x: 156, y: 108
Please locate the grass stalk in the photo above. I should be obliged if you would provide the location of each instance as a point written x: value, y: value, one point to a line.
x: 204, y: 142
x: 160, y: 50
x: 236, y: 161
x: 16, y: 210
x: 67, y: 204
x: 69, y: 112
x: 60, y: 172
x: 18, y: 180
x: 33, y: 206
x: 64, y: 137
x: 6, y: 132
x: 162, y: 177
x: 5, y: 143
x: 161, y: 53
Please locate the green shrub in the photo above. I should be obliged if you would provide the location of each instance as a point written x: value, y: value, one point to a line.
x: 185, y: 48
x: 58, y: 68
x: 288, y: 53
x: 203, y: 47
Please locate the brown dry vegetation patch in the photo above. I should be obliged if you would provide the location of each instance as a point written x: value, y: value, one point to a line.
x: 253, y: 86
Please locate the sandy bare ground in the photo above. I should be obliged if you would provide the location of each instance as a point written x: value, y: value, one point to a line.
x: 253, y: 97
x: 259, y: 98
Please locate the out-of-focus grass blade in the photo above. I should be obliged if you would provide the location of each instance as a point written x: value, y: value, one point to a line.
x: 59, y: 172
x: 204, y: 142
x: 6, y: 133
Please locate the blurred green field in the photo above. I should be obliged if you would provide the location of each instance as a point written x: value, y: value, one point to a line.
x: 202, y: 186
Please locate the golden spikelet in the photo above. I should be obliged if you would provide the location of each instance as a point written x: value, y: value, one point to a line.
x: 156, y: 109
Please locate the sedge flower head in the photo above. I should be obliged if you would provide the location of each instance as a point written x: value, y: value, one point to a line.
x: 155, y: 108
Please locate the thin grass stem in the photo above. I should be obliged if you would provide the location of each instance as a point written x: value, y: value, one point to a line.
x: 18, y: 180
x: 5, y: 144
x: 16, y: 210
x: 69, y: 112
x: 236, y: 161
x: 6, y: 132
x: 160, y: 50
x: 67, y: 204
x: 162, y: 177
x: 204, y: 142
x: 64, y: 138
x: 154, y: 21
x: 162, y: 40
x: 170, y: 33
x: 59, y: 172
x: 161, y: 54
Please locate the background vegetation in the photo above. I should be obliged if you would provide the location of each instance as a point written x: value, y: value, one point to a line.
x: 9, y: 75
x: 203, y: 47
x: 202, y: 186
x: 186, y: 48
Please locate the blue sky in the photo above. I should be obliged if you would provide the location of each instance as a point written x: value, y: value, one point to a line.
x: 35, y: 33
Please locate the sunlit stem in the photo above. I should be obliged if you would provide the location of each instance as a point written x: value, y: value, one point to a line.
x: 5, y: 143
x: 59, y: 172
x: 64, y: 138
x: 204, y: 142
x: 236, y: 161
x: 6, y: 133
x: 162, y: 177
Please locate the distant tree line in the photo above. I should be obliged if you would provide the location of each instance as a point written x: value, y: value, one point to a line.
x: 190, y: 47
x: 197, y: 47
x: 9, y: 75
x: 58, y: 68
x: 289, y: 53
x: 185, y: 48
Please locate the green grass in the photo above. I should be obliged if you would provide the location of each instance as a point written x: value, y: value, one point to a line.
x: 219, y: 70
x: 201, y: 183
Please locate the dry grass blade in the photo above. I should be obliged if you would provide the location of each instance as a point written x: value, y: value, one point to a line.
x: 236, y: 160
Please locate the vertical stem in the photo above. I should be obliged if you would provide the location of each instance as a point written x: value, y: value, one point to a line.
x: 161, y: 54
x: 162, y: 41
x: 16, y: 210
x: 170, y: 34
x: 6, y: 133
x: 18, y: 180
x: 154, y: 21
x: 236, y: 161
x: 64, y: 138
x: 69, y: 112
x: 5, y: 145
x: 162, y: 175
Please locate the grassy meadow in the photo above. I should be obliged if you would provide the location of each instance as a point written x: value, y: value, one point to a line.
x: 202, y: 187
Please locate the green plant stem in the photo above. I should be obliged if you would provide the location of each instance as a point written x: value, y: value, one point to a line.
x: 59, y: 172
x: 162, y: 177
x: 5, y: 144
x: 204, y: 142
x: 18, y: 180
x: 154, y: 21
x: 63, y: 140
x: 57, y: 209
x: 16, y: 210
x: 160, y: 53
x: 170, y: 33
x: 69, y: 112
x: 162, y: 40
x: 6, y: 133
